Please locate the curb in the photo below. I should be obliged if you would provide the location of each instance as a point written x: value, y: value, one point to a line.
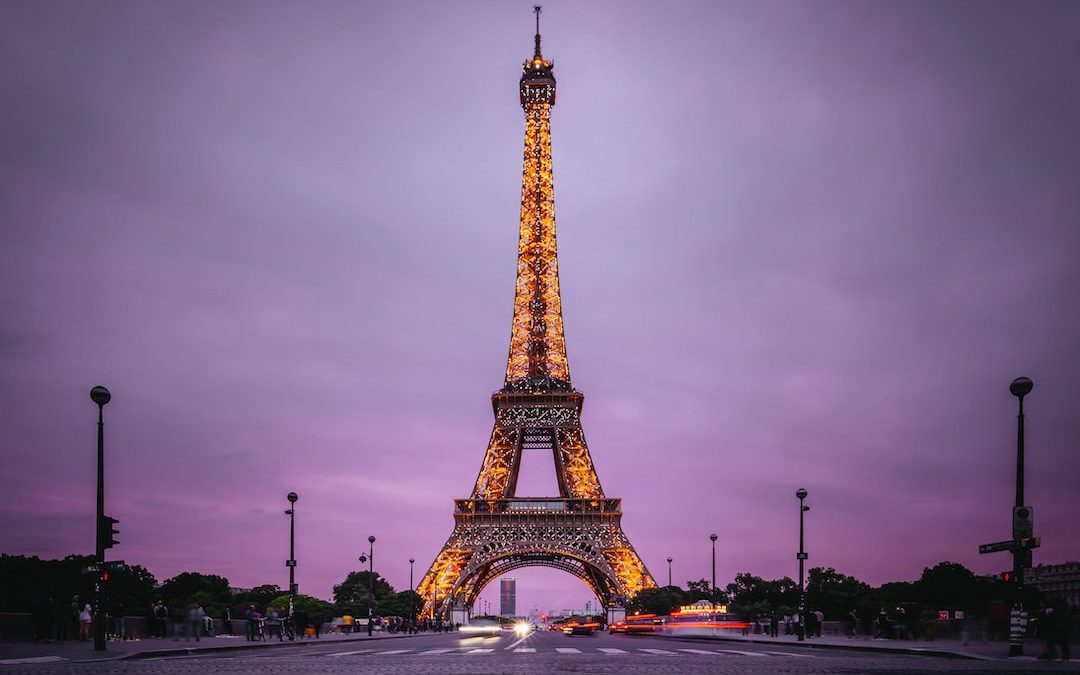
x: 211, y: 649
x: 912, y: 651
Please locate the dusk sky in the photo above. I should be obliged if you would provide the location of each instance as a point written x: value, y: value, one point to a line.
x: 802, y: 244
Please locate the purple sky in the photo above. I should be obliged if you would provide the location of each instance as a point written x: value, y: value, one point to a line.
x: 801, y: 244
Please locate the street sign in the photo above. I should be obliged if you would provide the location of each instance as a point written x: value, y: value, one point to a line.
x: 90, y: 569
x: 115, y: 565
x: 1010, y: 545
x: 290, y: 563
x: 801, y: 556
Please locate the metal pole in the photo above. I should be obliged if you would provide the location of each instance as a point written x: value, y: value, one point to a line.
x: 713, y: 538
x: 412, y: 605
x: 1020, y: 387
x: 100, y: 396
x: 669, y: 571
x: 801, y: 494
x: 99, y: 609
x: 371, y: 582
x: 292, y: 553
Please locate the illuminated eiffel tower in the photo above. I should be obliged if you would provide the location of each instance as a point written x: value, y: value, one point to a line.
x: 537, y: 410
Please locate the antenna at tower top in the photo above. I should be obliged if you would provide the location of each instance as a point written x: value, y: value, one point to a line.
x: 537, y: 9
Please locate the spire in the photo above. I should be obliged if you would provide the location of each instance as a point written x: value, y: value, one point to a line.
x: 537, y: 9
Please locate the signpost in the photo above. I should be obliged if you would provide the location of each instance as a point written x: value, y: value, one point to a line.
x: 1010, y: 545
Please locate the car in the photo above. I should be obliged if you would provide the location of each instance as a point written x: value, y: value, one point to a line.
x: 617, y: 627
x: 574, y: 628
x: 489, y: 627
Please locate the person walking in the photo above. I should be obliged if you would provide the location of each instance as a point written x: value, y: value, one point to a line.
x: 252, y: 618
x: 85, y: 619
x: 195, y: 618
x: 160, y: 614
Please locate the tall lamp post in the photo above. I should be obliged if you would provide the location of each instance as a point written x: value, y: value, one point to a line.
x: 291, y: 562
x: 669, y: 570
x: 100, y: 396
x: 712, y: 538
x: 412, y: 606
x: 1020, y: 387
x: 371, y: 581
x: 801, y: 555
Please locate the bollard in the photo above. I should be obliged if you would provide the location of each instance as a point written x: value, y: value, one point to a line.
x: 1017, y: 628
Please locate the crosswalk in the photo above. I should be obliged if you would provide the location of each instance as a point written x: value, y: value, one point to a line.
x: 602, y: 651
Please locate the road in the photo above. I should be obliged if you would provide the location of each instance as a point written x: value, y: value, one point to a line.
x: 450, y: 654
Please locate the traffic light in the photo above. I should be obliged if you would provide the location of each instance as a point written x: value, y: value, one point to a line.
x: 107, y: 531
x: 1006, y: 576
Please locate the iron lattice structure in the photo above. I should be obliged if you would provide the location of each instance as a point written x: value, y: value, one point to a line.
x: 537, y: 410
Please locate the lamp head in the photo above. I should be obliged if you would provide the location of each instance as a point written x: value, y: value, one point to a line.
x: 1021, y: 387
x: 801, y: 493
x: 100, y: 395
x: 363, y: 558
x: 371, y: 540
x: 712, y: 537
x: 292, y: 497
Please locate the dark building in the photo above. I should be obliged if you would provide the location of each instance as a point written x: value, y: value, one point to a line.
x: 508, y: 596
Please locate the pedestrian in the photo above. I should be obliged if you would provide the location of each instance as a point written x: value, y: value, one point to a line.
x: 884, y: 628
x: 819, y: 620
x: 160, y: 615
x: 774, y: 624
x: 84, y: 621
x: 252, y: 618
x: 852, y: 622
x: 300, y: 622
x: 1062, y: 631
x: 195, y: 618
x: 227, y: 622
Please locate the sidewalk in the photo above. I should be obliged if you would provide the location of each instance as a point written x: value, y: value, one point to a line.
x: 44, y: 652
x: 942, y: 647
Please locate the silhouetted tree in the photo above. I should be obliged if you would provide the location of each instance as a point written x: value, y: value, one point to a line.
x: 835, y: 594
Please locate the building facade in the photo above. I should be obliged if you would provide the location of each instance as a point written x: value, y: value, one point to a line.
x: 508, y: 596
x: 1057, y: 583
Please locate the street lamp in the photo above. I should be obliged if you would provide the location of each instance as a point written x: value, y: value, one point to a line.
x: 100, y: 395
x: 412, y: 606
x: 371, y: 581
x: 801, y: 555
x: 291, y: 562
x: 669, y: 570
x: 712, y: 538
x: 1020, y: 387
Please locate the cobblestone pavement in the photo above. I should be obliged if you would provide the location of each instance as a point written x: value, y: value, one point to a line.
x: 540, y: 652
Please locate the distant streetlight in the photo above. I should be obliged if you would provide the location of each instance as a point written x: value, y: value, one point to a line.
x: 1020, y: 387
x: 712, y: 538
x: 291, y: 562
x: 801, y: 555
x: 101, y: 396
x: 371, y: 581
x: 412, y: 606
x: 669, y: 570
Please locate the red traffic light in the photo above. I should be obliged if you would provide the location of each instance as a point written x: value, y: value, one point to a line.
x: 105, y: 576
x: 1006, y: 576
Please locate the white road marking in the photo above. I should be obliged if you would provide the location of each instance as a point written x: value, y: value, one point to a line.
x: 740, y: 653
x: 567, y: 650
x: 801, y: 656
x: 441, y: 650
x: 358, y: 651
x: 662, y: 652
x: 612, y: 650
x: 480, y: 651
x: 698, y: 651
x: 525, y: 650
x: 393, y: 651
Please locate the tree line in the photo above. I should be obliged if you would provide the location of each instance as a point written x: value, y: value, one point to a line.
x: 30, y: 584
x: 945, y: 586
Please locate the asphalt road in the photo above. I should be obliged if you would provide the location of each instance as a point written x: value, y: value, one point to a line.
x: 541, y: 652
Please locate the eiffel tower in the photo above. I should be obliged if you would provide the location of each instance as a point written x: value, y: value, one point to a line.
x: 537, y: 410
